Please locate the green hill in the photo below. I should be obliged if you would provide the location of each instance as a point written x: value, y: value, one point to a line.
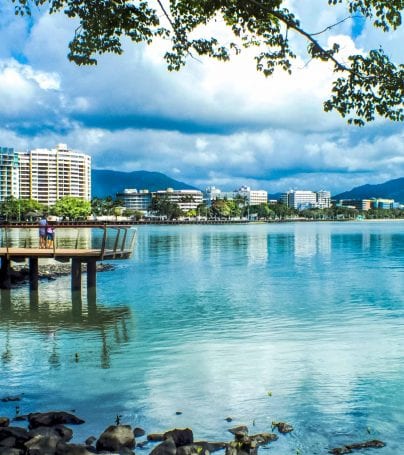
x: 108, y: 183
x: 392, y: 189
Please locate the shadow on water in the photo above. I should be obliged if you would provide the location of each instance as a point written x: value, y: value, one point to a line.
x: 71, y: 317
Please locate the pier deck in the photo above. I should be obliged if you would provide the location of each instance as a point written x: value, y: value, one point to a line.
x: 87, y: 244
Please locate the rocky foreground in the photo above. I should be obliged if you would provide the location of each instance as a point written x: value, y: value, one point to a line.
x: 47, y: 434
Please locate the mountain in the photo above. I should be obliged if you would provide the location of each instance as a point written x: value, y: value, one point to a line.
x: 107, y: 183
x: 392, y: 189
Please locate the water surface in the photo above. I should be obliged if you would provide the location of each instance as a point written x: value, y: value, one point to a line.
x: 295, y: 322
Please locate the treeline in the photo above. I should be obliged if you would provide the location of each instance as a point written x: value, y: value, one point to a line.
x: 71, y: 208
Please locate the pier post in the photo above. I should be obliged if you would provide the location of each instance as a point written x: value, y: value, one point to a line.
x: 5, y: 279
x: 33, y: 274
x: 76, y: 275
x: 91, y: 282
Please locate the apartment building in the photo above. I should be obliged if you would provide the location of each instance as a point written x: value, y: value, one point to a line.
x: 47, y: 175
x: 252, y: 197
x: 9, y: 173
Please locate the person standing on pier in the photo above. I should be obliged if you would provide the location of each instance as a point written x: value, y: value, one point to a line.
x: 50, y: 234
x: 42, y: 231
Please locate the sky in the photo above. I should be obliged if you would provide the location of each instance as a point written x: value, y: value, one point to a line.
x: 221, y: 124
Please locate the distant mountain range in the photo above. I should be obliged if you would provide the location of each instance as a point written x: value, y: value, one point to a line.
x: 108, y: 183
x: 392, y: 189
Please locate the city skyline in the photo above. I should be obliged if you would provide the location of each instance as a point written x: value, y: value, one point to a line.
x: 210, y: 124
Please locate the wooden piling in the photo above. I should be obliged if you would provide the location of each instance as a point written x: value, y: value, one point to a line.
x: 5, y: 278
x: 33, y: 274
x: 76, y: 275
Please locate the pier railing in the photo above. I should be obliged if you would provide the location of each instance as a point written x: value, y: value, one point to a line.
x: 102, y: 242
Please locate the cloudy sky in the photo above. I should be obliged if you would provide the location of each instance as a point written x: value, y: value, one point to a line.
x: 212, y: 123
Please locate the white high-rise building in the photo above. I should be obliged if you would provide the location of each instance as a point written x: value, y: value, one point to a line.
x: 48, y: 175
x: 9, y: 175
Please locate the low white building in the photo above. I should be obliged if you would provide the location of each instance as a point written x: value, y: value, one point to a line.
x: 186, y: 199
x: 133, y: 199
x: 302, y: 199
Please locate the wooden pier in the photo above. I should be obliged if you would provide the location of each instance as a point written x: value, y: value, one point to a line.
x: 78, y: 245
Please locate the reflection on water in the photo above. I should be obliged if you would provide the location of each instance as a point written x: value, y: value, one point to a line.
x: 50, y: 317
x: 208, y: 319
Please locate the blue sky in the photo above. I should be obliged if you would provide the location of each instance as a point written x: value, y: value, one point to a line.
x: 212, y: 123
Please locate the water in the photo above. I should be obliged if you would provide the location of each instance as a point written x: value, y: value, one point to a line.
x: 292, y: 322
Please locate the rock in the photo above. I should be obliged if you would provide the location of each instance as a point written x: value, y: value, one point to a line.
x: 155, y: 437
x: 72, y: 449
x: 242, y: 429
x: 20, y: 418
x: 13, y: 437
x: 142, y: 444
x: 375, y: 443
x: 115, y: 438
x: 282, y: 427
x: 263, y: 438
x: 178, y: 413
x: 167, y: 447
x: 228, y: 419
x: 52, y: 418
x: 192, y: 449
x: 4, y: 422
x: 90, y: 441
x: 10, y: 451
x: 181, y: 437
x: 59, y: 431
x: 11, y: 398
x: 42, y: 445
x: 138, y: 432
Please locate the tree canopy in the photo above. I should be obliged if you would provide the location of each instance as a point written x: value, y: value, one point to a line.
x: 366, y: 85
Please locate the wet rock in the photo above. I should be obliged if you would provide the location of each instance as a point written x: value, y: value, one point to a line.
x: 155, y: 437
x: 181, y: 437
x: 11, y: 398
x: 349, y: 448
x: 211, y: 446
x: 138, y: 432
x: 115, y: 438
x: 49, y: 419
x: 282, y: 427
x: 13, y: 437
x: 228, y: 419
x: 4, y: 422
x: 142, y: 444
x: 42, y: 445
x: 263, y: 438
x: 167, y: 447
x: 242, y: 429
x: 58, y: 431
x: 192, y: 449
x: 178, y: 413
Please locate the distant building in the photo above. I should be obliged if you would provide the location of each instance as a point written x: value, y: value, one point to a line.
x: 135, y: 200
x: 45, y: 175
x: 253, y: 197
x: 359, y: 204
x: 301, y: 199
x: 9, y: 173
x: 380, y: 203
x: 186, y: 199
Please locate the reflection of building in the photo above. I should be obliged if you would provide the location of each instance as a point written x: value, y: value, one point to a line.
x: 45, y: 175
x: 8, y: 173
x: 299, y: 199
x: 135, y: 200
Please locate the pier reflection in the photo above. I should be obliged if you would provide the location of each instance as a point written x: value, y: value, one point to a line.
x: 47, y: 321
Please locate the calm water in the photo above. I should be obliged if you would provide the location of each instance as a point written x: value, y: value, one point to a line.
x: 294, y: 322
